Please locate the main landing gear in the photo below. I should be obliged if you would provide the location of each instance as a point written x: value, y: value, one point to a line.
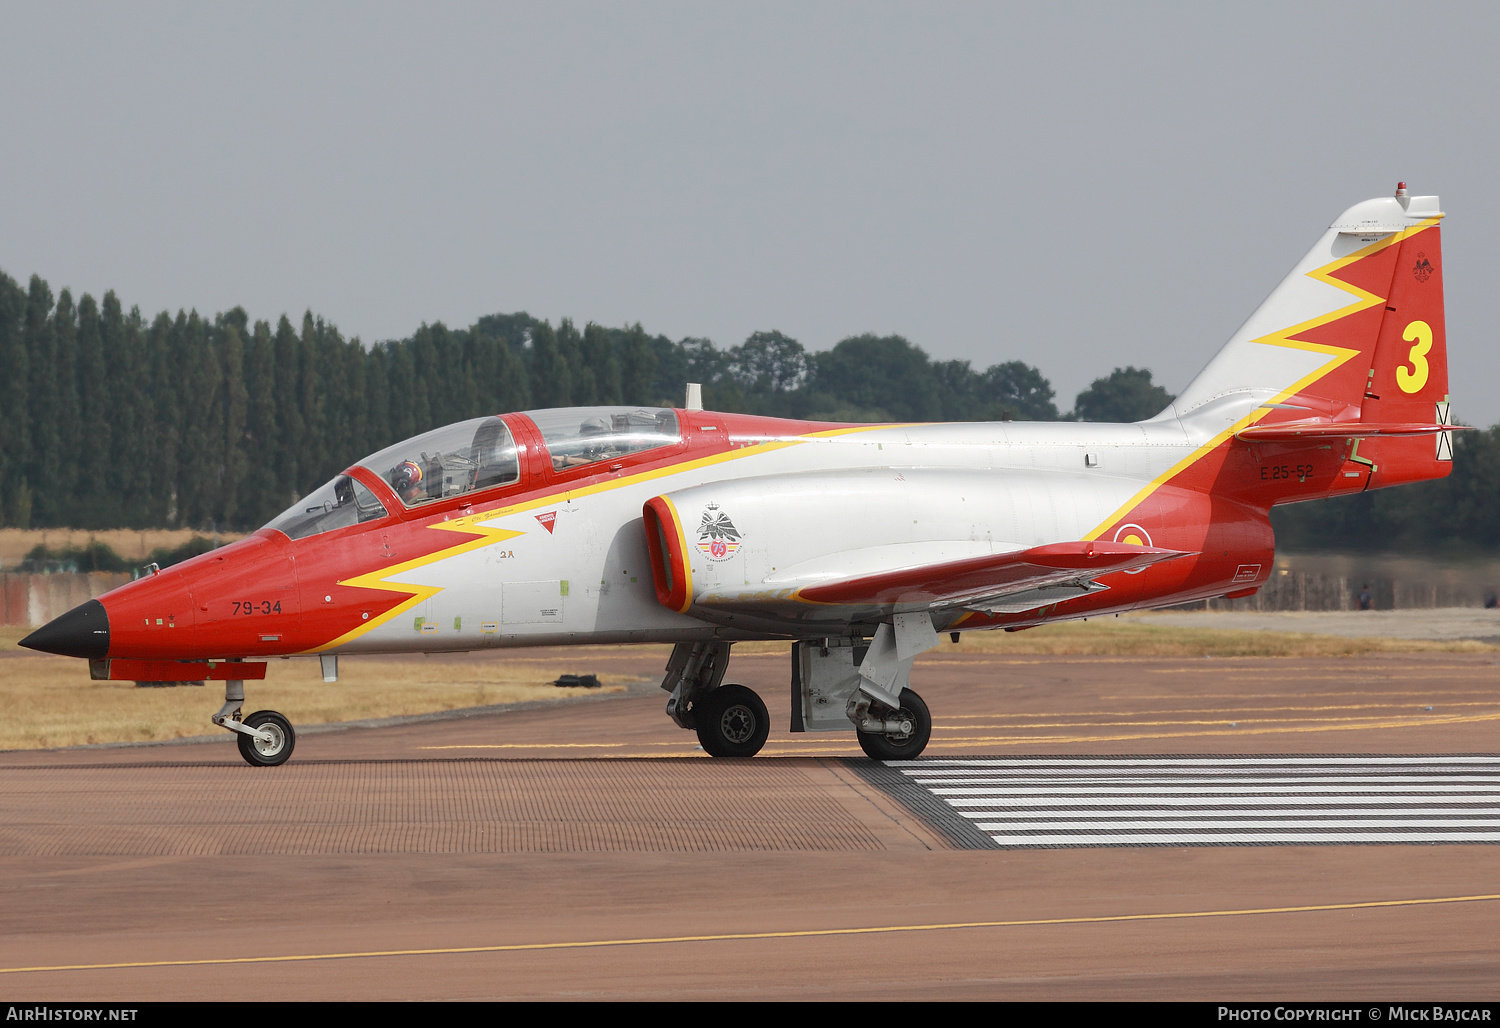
x: 837, y: 684
x: 901, y: 734
x: 265, y: 737
x: 732, y: 722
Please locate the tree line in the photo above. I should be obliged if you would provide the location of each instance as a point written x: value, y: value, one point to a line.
x: 109, y: 419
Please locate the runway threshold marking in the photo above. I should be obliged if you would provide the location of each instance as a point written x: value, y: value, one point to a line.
x: 1137, y: 712
x: 1224, y: 719
x: 810, y: 933
x: 1053, y: 802
x: 1417, y: 696
x: 1242, y: 729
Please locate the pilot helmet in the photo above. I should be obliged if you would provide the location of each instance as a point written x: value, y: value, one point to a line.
x: 406, y: 477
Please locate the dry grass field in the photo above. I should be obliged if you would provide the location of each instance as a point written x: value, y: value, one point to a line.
x: 50, y: 701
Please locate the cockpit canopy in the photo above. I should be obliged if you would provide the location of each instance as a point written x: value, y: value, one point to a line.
x: 450, y: 461
x: 478, y: 454
x: 337, y: 504
x: 576, y: 436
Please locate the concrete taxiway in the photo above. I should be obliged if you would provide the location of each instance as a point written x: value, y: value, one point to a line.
x: 592, y: 851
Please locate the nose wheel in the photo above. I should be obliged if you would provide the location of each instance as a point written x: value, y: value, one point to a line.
x: 272, y: 742
x: 265, y: 738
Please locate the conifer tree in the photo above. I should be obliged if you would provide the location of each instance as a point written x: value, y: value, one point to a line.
x: 400, y: 373
x: 637, y: 367
x: 261, y: 496
x: 550, y: 378
x: 599, y: 357
x: 165, y: 413
x: 378, y: 430
x: 288, y: 412
x: 15, y: 427
x: 510, y: 389
x: 480, y: 352
x: 41, y: 401
x: 354, y: 413
x: 65, y: 350
x: 236, y: 402
x: 93, y: 503
x: 202, y: 439
x: 310, y: 457
x: 131, y: 428
x: 584, y: 389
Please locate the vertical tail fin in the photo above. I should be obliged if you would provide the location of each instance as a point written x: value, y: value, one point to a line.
x: 1354, y: 334
x: 1408, y: 377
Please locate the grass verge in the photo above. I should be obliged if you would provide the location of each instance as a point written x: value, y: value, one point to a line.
x: 50, y: 701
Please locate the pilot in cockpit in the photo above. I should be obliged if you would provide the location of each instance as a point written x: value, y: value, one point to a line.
x: 406, y: 479
x: 590, y: 446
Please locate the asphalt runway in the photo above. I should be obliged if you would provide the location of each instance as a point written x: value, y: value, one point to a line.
x: 592, y: 851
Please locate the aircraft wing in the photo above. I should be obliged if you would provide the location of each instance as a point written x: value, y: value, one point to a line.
x: 993, y: 582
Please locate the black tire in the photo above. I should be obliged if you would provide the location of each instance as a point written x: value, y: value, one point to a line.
x: 732, y: 722
x: 259, y: 754
x: 893, y: 747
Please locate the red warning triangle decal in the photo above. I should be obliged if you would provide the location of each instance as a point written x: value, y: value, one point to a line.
x: 548, y: 520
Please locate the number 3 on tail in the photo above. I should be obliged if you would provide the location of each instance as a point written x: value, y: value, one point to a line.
x: 1412, y: 381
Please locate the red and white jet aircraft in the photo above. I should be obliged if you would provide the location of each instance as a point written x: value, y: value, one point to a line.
x: 861, y: 544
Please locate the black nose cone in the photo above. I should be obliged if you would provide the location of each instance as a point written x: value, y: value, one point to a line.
x: 81, y: 632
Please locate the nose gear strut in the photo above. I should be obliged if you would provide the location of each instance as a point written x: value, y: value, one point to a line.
x: 265, y: 738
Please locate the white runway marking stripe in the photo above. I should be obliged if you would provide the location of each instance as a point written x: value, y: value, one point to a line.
x: 1191, y: 801
x: 1228, y: 788
x: 938, y: 763
x: 1241, y: 838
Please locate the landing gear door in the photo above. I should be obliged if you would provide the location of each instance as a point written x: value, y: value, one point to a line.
x: 825, y: 674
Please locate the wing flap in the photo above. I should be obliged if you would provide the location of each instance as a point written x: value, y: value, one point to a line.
x: 975, y: 580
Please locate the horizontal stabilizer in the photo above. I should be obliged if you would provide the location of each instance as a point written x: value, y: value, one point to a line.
x: 976, y: 579
x: 1294, y: 431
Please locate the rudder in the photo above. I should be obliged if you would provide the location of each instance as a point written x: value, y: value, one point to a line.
x: 1408, y: 377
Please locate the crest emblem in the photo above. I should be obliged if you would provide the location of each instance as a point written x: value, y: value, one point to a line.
x: 718, y: 539
x: 1423, y: 268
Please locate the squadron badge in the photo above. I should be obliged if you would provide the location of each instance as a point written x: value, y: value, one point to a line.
x: 718, y: 539
x: 1423, y: 268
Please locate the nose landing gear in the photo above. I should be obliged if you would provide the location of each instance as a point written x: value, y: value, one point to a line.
x: 272, y: 742
x: 265, y: 738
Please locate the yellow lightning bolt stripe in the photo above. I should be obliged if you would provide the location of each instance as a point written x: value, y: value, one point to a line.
x: 683, y: 544
x: 487, y: 536
x: 471, y: 524
x: 1363, y: 300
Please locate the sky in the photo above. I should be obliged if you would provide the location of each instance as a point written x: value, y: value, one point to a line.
x: 1076, y: 186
